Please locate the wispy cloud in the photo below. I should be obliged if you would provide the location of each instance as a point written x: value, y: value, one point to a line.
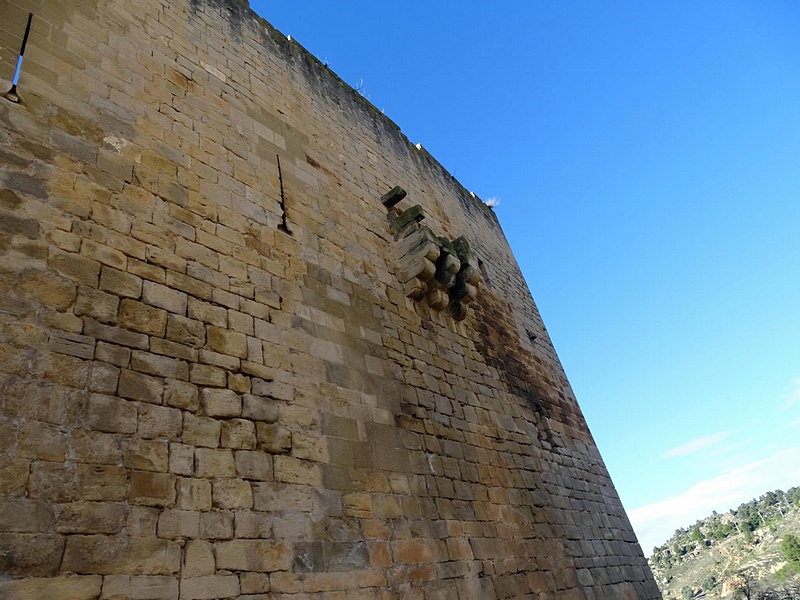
x: 793, y: 397
x: 696, y: 445
x: 656, y: 522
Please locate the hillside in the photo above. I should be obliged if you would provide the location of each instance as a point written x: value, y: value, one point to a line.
x: 737, y: 554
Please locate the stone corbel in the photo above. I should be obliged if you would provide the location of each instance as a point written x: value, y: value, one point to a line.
x: 432, y: 268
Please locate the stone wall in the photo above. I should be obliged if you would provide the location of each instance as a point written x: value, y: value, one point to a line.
x: 228, y: 370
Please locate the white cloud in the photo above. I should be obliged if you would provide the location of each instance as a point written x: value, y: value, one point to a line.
x: 696, y: 445
x: 654, y: 523
x: 793, y: 397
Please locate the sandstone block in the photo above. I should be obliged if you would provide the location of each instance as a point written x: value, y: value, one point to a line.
x: 253, y: 465
x: 415, y: 552
x: 225, y: 298
x: 181, y: 459
x: 232, y: 494
x: 252, y: 524
x: 216, y: 525
x: 194, y: 494
x: 101, y: 483
x: 174, y: 524
x: 273, y: 438
x: 152, y: 489
x: 161, y: 366
x: 139, y: 587
x: 210, y: 587
x: 207, y: 375
x: 146, y: 270
x: 189, y: 332
x: 49, y: 289
x: 198, y: 559
x: 224, y: 341
x: 33, y: 555
x: 137, y: 386
x: 144, y: 455
x: 121, y: 554
x: 257, y: 370
x: 193, y: 287
x: 201, y: 431
x: 103, y: 378
x: 70, y: 587
x: 241, y: 322
x: 286, y: 582
x: 42, y: 441
x: 91, y: 517
x: 239, y: 383
x: 207, y: 313
x: 254, y: 583
x: 25, y: 516
x: 142, y: 318
x: 181, y: 394
x: 142, y: 521
x: 120, y: 283
x: 166, y: 259
x: 103, y: 254
x: 160, y: 422
x: 221, y: 403
x: 96, y: 304
x: 261, y: 556
x: 115, y: 335
x: 214, y: 463
x: 230, y: 363
x: 110, y: 414
x: 259, y: 408
x: 173, y: 349
x: 239, y: 434
x: 292, y: 470
x: 72, y: 344
x: 75, y: 267
x: 161, y: 296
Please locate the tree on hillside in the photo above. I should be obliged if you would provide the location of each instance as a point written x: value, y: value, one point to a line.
x: 790, y: 546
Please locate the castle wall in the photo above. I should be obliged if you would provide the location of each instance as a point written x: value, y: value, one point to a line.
x: 213, y: 381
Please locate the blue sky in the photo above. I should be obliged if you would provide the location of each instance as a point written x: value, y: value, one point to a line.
x: 646, y: 156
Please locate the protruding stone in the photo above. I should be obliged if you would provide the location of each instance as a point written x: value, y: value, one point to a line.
x: 393, y: 196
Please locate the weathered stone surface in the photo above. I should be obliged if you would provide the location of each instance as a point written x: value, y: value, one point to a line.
x: 120, y: 554
x: 259, y: 408
x: 214, y: 463
x: 142, y: 318
x: 96, y: 304
x: 110, y: 414
x: 221, y: 403
x: 139, y: 587
x: 224, y: 341
x: 152, y: 489
x: 261, y: 556
x: 253, y: 465
x: 137, y: 386
x: 181, y: 394
x: 70, y: 587
x: 160, y: 422
x: 30, y: 554
x: 239, y: 434
x: 198, y: 559
x: 91, y: 517
x: 210, y: 587
x: 274, y: 438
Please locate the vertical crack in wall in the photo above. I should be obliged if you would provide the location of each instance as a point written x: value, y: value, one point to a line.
x: 284, y: 225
